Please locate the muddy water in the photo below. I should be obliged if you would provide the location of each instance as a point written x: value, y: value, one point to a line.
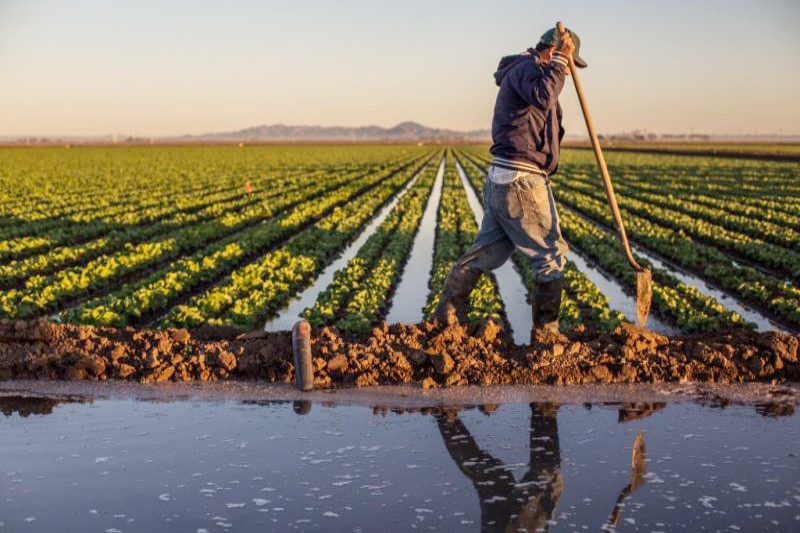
x: 512, y: 289
x: 291, y: 314
x: 412, y: 290
x: 247, y: 458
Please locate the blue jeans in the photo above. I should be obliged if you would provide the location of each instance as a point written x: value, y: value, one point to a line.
x: 520, y: 214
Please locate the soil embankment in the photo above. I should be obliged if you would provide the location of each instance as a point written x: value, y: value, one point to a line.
x: 394, y: 354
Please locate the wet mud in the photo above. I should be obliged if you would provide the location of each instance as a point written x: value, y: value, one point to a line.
x: 420, y: 354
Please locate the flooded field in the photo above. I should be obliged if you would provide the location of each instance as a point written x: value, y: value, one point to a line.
x: 253, y: 457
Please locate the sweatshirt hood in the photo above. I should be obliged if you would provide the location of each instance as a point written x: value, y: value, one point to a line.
x: 506, y: 63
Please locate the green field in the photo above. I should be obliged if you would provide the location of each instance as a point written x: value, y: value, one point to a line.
x: 191, y: 236
x: 780, y: 151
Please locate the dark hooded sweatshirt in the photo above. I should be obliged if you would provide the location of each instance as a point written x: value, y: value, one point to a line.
x: 526, y: 129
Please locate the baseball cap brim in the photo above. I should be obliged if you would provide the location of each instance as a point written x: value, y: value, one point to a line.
x: 549, y: 38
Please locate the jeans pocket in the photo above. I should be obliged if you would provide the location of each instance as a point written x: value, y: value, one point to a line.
x: 513, y: 202
x: 538, y: 206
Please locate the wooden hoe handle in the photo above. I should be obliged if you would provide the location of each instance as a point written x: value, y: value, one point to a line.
x: 601, y: 162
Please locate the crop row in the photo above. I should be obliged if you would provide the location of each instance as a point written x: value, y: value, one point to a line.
x: 163, y: 288
x: 789, y: 152
x: 359, y: 294
x: 53, y: 190
x: 775, y: 296
x: 681, y: 304
x: 252, y: 293
x: 41, y: 294
x: 123, y: 225
x: 48, y: 183
x: 721, y: 212
x: 701, y: 225
x: 258, y: 201
x: 772, y: 211
x: 744, y: 243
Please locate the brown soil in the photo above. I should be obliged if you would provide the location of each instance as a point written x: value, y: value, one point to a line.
x: 418, y: 353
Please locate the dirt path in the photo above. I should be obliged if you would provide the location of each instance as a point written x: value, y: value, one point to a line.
x: 394, y: 354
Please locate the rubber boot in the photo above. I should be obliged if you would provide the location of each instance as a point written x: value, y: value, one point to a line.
x: 452, y: 307
x: 546, y: 304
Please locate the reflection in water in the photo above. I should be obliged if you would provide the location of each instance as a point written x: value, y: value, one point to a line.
x: 530, y: 504
x: 638, y: 470
x: 508, y: 505
x: 636, y: 411
x: 774, y: 409
x: 255, y: 465
x: 302, y: 407
x: 26, y: 405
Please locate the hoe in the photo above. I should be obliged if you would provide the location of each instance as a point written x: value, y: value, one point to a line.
x: 644, y: 278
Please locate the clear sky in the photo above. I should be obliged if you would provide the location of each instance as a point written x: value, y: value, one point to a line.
x: 162, y: 67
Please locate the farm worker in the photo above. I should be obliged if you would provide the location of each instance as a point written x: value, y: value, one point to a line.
x: 519, y: 210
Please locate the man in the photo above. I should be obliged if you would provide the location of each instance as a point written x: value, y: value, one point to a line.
x: 519, y: 210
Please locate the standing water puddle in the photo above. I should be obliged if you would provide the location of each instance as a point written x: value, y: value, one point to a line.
x: 412, y: 290
x: 245, y: 457
x: 512, y: 289
x: 291, y: 314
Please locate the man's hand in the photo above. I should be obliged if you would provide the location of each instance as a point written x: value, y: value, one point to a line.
x: 565, y: 45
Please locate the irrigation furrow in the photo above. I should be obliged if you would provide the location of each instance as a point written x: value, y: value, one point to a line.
x: 146, y: 299
x: 455, y: 233
x: 286, y: 318
x: 680, y: 304
x: 726, y: 299
x: 247, y: 297
x: 366, y: 303
x: 413, y: 285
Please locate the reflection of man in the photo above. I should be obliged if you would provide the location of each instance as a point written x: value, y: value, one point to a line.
x: 508, y: 505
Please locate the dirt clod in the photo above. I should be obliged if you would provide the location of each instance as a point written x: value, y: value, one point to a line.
x: 422, y: 353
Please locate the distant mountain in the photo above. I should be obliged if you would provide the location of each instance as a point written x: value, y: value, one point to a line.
x: 403, y: 132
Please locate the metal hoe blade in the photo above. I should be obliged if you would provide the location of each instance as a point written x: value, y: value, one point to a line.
x: 644, y: 295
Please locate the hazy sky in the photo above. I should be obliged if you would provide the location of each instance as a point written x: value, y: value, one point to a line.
x: 159, y: 67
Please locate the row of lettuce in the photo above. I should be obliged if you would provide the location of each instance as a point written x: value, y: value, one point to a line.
x: 690, y: 241
x: 232, y: 251
x: 358, y: 296
x: 51, y: 198
x: 144, y: 280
